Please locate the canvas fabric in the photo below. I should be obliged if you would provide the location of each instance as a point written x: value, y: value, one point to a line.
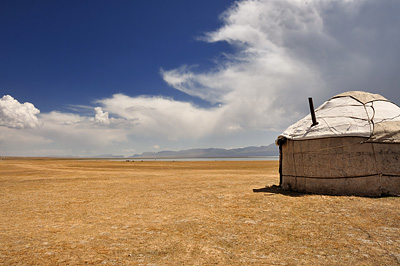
x: 341, y: 166
x: 363, y: 97
x: 351, y: 114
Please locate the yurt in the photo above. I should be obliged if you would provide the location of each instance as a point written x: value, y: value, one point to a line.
x: 351, y: 146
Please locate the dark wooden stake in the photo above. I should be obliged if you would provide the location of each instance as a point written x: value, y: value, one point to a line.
x: 314, y: 120
x: 280, y: 162
x: 280, y: 143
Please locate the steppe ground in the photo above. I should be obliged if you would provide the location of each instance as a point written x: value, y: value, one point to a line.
x: 71, y: 212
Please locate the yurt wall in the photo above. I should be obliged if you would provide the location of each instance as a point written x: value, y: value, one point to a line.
x: 341, y: 166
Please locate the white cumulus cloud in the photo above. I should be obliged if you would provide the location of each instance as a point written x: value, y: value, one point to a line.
x: 59, y: 133
x: 162, y: 117
x: 101, y: 117
x: 14, y: 114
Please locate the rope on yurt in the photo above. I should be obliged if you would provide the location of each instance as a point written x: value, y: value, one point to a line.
x: 372, y: 144
x: 329, y: 148
x: 294, y: 165
x: 338, y: 177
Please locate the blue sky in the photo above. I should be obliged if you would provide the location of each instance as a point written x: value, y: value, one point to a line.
x: 95, y: 77
x: 91, y: 49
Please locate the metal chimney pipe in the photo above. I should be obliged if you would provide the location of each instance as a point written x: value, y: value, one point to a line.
x: 311, y: 104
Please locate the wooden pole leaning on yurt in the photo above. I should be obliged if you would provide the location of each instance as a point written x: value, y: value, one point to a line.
x: 311, y: 104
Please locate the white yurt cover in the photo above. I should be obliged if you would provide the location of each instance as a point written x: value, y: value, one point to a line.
x: 354, y: 113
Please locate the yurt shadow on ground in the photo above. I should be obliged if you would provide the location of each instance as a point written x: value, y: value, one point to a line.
x: 274, y: 189
x: 353, y: 150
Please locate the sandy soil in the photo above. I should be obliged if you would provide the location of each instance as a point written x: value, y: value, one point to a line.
x: 68, y: 212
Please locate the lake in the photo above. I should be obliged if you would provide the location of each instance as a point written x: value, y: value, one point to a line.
x: 266, y: 158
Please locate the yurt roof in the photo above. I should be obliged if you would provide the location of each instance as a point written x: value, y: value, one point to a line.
x: 353, y: 113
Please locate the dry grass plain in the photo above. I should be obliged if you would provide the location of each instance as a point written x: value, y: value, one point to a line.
x: 70, y: 212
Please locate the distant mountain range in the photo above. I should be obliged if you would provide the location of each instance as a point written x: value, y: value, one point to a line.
x: 270, y: 150
x: 252, y: 151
